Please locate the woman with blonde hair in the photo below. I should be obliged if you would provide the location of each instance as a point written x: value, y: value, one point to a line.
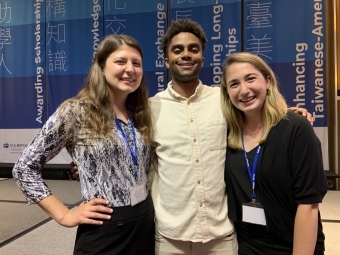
x: 107, y: 131
x: 274, y: 173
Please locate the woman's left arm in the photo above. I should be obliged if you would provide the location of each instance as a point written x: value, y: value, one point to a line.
x: 305, y: 229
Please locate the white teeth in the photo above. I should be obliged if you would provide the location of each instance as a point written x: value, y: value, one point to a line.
x: 126, y: 79
x: 247, y: 100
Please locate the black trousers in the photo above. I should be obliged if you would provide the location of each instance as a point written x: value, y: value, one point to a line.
x: 130, y: 231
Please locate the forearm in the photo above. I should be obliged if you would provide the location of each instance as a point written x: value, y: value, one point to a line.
x: 305, y: 229
x: 54, y: 207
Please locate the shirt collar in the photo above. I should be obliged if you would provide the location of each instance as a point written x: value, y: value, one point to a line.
x: 177, y: 96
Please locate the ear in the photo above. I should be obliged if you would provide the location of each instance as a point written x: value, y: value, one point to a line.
x: 268, y: 82
x: 203, y: 59
x: 166, y: 61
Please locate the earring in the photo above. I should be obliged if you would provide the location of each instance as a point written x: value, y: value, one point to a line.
x: 268, y: 91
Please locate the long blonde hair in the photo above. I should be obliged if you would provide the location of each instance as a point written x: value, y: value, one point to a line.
x: 274, y: 107
x: 97, y: 97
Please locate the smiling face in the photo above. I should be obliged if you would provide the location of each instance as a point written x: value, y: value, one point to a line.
x: 123, y: 70
x: 247, y: 87
x: 185, y: 58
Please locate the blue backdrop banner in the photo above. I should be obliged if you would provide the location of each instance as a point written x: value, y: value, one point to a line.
x: 46, y: 50
x: 73, y: 32
x: 22, y: 64
x: 290, y: 35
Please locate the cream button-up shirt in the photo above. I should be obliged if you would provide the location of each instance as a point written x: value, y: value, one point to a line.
x: 188, y: 188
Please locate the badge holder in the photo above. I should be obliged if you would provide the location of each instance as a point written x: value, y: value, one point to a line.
x: 137, y: 192
x: 253, y: 213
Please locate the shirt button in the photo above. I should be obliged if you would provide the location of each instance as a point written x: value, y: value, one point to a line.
x: 194, y: 140
x: 198, y: 182
x: 200, y: 205
x: 197, y: 161
x: 191, y: 120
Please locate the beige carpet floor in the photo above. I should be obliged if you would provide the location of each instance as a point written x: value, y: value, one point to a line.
x: 28, y: 230
x: 18, y: 218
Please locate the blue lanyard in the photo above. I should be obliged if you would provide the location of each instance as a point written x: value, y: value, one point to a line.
x: 252, y: 172
x: 133, y: 151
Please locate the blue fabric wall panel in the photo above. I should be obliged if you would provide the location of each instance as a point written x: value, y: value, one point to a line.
x: 75, y: 50
x: 278, y: 25
x: 22, y: 65
x: 25, y: 51
x: 64, y: 87
x: 74, y: 9
x: 290, y: 36
x: 71, y: 40
x: 20, y: 12
x: 21, y: 103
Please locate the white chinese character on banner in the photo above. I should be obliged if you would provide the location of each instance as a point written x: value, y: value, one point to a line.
x: 57, y: 33
x: 259, y: 15
x: 5, y: 36
x: 115, y: 25
x: 2, y: 63
x: 57, y: 61
x: 56, y: 7
x: 183, y: 14
x: 119, y: 4
x: 260, y: 46
x: 5, y: 13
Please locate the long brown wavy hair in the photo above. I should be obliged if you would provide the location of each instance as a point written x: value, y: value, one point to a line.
x: 97, y: 97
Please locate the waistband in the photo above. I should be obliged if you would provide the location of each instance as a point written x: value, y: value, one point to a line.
x: 128, y: 212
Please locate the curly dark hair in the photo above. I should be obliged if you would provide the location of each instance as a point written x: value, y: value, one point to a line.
x: 179, y: 26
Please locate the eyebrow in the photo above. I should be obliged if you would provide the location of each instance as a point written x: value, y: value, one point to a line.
x: 182, y: 46
x: 125, y: 58
x: 231, y: 81
x: 247, y: 75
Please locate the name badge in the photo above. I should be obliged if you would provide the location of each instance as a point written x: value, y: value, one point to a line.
x: 253, y: 213
x: 137, y: 194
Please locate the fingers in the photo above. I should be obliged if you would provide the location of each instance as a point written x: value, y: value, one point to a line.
x: 98, y: 201
x: 75, y: 176
x: 306, y: 114
x: 303, y: 112
x: 94, y: 212
x: 94, y: 218
x: 92, y: 222
x: 97, y: 209
x: 310, y: 118
x: 74, y: 171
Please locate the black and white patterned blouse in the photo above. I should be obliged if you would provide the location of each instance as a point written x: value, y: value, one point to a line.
x: 104, y: 171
